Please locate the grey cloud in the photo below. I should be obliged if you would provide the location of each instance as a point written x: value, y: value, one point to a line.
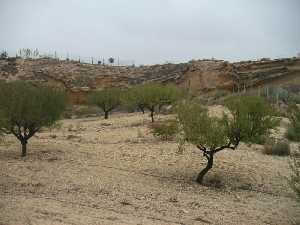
x: 153, y: 31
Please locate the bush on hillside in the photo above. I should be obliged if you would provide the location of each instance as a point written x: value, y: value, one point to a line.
x: 276, y: 147
x: 165, y: 130
x: 293, y: 132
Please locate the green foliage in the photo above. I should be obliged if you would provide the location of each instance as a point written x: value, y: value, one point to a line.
x: 199, y: 128
x: 274, y: 147
x: 165, y: 130
x: 294, y: 180
x: 295, y: 98
x: 253, y: 116
x: 275, y: 94
x: 25, y: 109
x: 209, y: 134
x: 250, y: 120
x: 133, y: 98
x: 293, y: 132
x: 151, y: 96
x: 107, y: 99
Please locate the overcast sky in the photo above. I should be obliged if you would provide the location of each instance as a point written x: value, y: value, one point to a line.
x: 153, y: 31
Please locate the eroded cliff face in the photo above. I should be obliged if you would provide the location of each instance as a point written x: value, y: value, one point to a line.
x: 200, y: 76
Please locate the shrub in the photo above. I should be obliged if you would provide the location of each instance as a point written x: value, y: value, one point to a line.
x: 275, y: 94
x: 280, y: 148
x: 293, y: 132
x: 295, y: 98
x: 215, y: 181
x: 107, y: 99
x: 212, y: 135
x: 294, y: 180
x: 254, y: 116
x: 165, y: 130
x: 25, y: 109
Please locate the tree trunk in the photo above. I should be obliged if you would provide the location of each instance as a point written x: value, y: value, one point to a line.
x: 206, y: 169
x: 106, y: 115
x: 152, y: 116
x: 24, y: 149
x: 142, y: 109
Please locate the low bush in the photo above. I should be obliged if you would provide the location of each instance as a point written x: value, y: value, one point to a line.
x: 295, y: 98
x: 215, y: 181
x: 166, y: 130
x: 293, y: 132
x: 294, y: 180
x: 280, y: 148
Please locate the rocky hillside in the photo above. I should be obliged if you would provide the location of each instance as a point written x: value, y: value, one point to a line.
x: 200, y: 76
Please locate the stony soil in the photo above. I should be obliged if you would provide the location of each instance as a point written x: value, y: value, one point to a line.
x: 91, y: 171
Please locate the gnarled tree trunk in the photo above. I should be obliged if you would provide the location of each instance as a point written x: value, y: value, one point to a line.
x: 24, y: 147
x: 210, y: 161
x: 142, y: 109
x: 152, y: 116
x: 106, y: 115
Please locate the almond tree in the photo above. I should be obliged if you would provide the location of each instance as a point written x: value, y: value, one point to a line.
x: 25, y: 109
x: 106, y: 99
x: 152, y: 97
x: 250, y: 119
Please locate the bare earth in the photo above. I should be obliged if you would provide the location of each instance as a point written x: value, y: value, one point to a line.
x: 91, y: 171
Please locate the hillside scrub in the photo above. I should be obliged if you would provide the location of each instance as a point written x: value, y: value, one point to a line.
x: 25, y: 109
x: 212, y: 135
x: 276, y: 147
x: 293, y: 132
x: 294, y: 180
x: 165, y: 130
x: 106, y: 99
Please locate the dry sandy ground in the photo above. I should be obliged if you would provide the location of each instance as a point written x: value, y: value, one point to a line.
x: 91, y: 171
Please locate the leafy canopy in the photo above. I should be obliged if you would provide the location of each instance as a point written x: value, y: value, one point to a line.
x: 249, y: 121
x: 253, y: 116
x: 28, y: 106
x: 107, y: 99
x: 200, y: 129
x: 151, y: 96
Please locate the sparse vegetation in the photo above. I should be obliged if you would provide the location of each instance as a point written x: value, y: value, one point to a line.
x: 295, y: 177
x: 25, y: 109
x: 276, y: 94
x: 276, y: 147
x: 165, y: 130
x: 107, y: 99
x: 293, y: 132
